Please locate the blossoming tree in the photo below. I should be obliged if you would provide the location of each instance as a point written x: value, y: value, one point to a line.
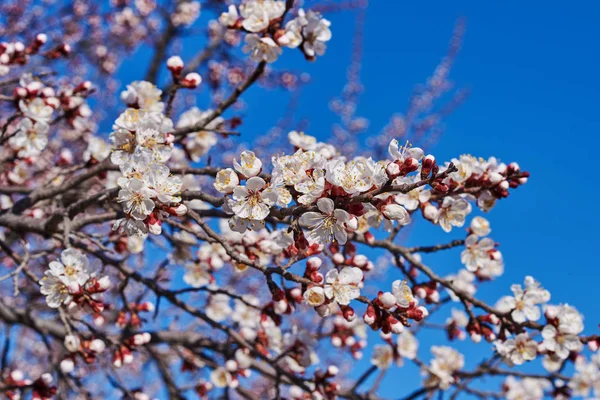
x: 185, y: 260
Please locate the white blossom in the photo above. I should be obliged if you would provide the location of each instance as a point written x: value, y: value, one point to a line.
x: 403, y: 293
x: 226, y: 180
x: 480, y: 226
x: 137, y: 199
x: 517, y: 350
x: 452, y: 213
x: 249, y: 164
x: 446, y: 361
x: 343, y: 286
x: 261, y: 48
x: 383, y: 356
x: 31, y: 138
x: 327, y: 224
x: 143, y: 95
x: 36, y: 109
x: 252, y: 201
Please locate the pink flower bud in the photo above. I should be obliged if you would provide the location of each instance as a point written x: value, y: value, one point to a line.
x: 352, y: 224
x: 475, y: 337
x: 280, y: 306
x: 231, y: 366
x: 104, y: 283
x: 191, y: 80
x: 20, y: 92
x: 175, y: 64
x: 97, y: 346
x: 155, y: 227
x: 338, y: 258
x: 314, y: 263
x: 434, y: 296
x: 348, y: 314
x: 395, y: 325
x: 388, y: 300
x: 72, y: 343
x: 332, y: 370
x: 180, y: 210
x: 393, y: 170
x: 430, y: 212
x: 370, y: 315
x: 41, y: 38
x: 336, y: 341
x: 360, y: 260
x: 67, y: 365
x: 34, y: 87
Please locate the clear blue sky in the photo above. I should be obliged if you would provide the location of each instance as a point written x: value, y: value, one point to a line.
x: 532, y: 68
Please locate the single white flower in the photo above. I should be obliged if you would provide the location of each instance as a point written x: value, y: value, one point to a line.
x: 562, y: 344
x: 343, y: 286
x: 249, y: 164
x: 165, y: 186
x: 137, y: 199
x: 73, y: 268
x: 226, y: 181
x: 453, y: 213
x: 403, y: 293
x: 413, y: 199
x: 328, y: 224
x: 218, y: 307
x: 315, y: 296
x: 261, y: 48
x: 476, y: 253
x: 442, y: 368
x: 221, y: 378
x: 383, y: 356
x: 55, y: 290
x: 517, y: 350
x: 230, y: 17
x: 480, y: 226
x: 402, y: 153
x: 252, y: 201
x: 316, y: 33
x: 407, y: 345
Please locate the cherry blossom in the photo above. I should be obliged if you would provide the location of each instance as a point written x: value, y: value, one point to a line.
x: 252, y: 201
x: 517, y: 350
x: 343, y: 286
x: 327, y: 224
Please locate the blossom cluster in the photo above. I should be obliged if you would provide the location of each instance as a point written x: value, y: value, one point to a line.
x: 73, y: 282
x: 142, y: 144
x: 266, y: 34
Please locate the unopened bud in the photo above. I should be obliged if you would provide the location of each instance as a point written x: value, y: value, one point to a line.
x: 314, y: 263
x: 338, y: 258
x: 393, y: 170
x: 191, y: 80
x: 67, y: 365
x: 430, y: 212
x: 387, y: 299
x: 175, y: 65
x: 352, y: 223
x: 97, y: 346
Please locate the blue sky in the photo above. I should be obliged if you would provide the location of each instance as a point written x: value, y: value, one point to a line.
x: 533, y: 75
